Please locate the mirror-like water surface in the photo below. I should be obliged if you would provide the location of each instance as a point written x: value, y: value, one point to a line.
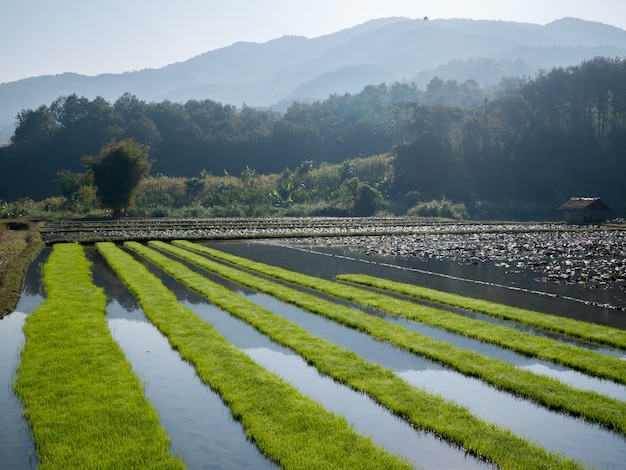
x: 595, y: 446
x: 17, y: 449
x: 200, y: 426
x: 202, y: 429
x: 483, y: 280
x: 367, y: 417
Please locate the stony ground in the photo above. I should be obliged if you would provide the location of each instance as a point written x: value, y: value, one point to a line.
x: 556, y: 252
x: 591, y: 258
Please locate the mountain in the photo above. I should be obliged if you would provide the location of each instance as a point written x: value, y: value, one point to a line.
x: 297, y: 68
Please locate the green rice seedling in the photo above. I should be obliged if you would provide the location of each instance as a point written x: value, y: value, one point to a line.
x: 584, y: 360
x: 291, y: 429
x: 590, y: 332
x: 86, y: 407
x: 544, y: 390
x: 417, y: 406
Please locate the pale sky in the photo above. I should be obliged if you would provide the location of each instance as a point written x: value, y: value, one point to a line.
x: 41, y: 37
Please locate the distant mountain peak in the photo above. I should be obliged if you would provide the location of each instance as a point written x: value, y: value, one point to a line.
x: 394, y: 49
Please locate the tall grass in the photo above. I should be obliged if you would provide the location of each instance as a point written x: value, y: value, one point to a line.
x: 420, y: 408
x: 544, y: 390
x: 86, y: 407
x: 291, y: 429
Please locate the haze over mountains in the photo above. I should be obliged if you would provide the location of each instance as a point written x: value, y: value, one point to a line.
x: 292, y: 68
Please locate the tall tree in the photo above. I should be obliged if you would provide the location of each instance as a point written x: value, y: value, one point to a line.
x: 117, y: 172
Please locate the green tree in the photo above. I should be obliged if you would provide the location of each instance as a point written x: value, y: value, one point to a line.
x: 67, y: 183
x: 117, y: 172
x: 359, y: 198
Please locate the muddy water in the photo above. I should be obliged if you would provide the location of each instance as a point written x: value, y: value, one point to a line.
x: 17, y: 449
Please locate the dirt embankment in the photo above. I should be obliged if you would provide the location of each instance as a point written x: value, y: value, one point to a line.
x: 19, y: 244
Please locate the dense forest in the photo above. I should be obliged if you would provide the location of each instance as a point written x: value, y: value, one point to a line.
x: 528, y: 143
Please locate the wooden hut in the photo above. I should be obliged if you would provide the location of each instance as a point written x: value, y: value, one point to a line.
x: 586, y: 210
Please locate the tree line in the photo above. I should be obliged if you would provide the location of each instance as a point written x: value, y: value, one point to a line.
x: 530, y: 141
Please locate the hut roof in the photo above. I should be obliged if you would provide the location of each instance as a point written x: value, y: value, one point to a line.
x: 580, y: 203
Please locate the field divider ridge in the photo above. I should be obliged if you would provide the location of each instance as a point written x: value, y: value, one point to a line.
x: 546, y: 391
x: 86, y: 407
x: 420, y: 408
x: 289, y: 428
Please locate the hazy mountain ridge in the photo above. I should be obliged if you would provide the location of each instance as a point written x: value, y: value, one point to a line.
x: 296, y: 68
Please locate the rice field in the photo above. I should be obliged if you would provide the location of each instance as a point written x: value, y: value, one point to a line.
x: 471, y: 383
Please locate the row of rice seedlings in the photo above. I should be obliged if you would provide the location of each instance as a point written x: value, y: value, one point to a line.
x: 543, y: 390
x: 291, y: 429
x: 583, y: 360
x: 86, y: 407
x: 590, y: 332
x: 425, y: 410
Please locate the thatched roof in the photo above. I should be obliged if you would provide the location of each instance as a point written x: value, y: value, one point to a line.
x: 581, y: 203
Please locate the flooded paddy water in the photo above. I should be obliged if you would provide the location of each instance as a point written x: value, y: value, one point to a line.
x: 17, y: 449
x: 203, y: 431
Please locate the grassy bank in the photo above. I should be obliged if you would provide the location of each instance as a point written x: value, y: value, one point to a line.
x: 420, y: 408
x: 288, y: 427
x: 584, y: 360
x: 590, y: 332
x: 17, y: 249
x: 86, y: 407
x: 544, y: 390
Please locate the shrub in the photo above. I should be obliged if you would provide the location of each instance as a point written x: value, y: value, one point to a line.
x: 443, y: 208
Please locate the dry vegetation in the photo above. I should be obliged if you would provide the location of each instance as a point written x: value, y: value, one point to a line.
x: 19, y: 243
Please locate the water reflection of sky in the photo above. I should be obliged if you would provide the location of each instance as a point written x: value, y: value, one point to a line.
x: 199, y: 424
x: 17, y: 448
x: 327, y: 262
x: 362, y: 344
x: 604, y: 449
x: 555, y: 431
x: 16, y: 444
x: 593, y: 445
x: 367, y: 417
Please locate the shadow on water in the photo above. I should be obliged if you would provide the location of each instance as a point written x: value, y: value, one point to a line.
x: 482, y: 280
x: 594, y: 445
x: 588, y: 443
x: 17, y: 448
x: 366, y: 416
x: 200, y: 426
